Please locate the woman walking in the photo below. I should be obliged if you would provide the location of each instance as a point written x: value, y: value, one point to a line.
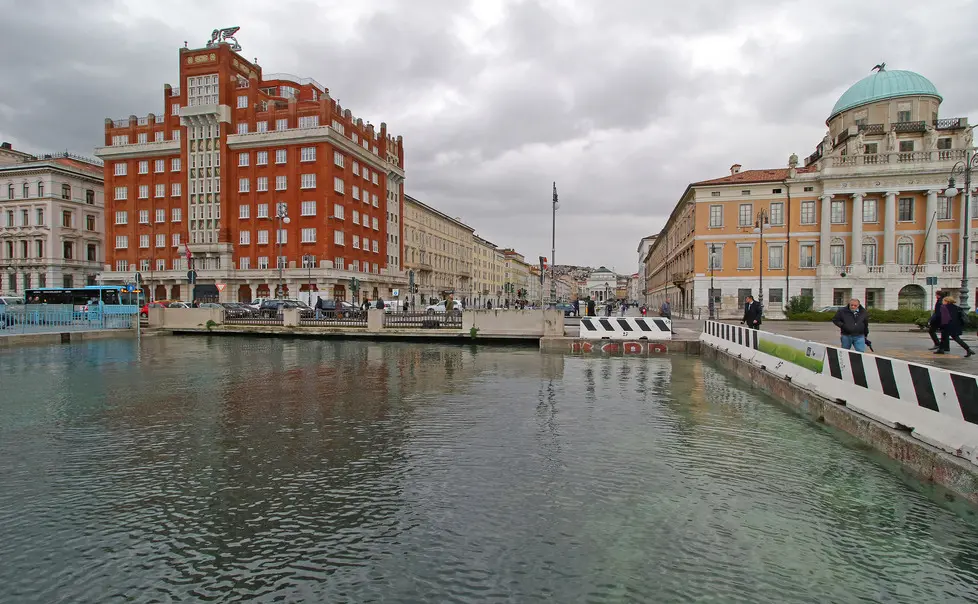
x: 952, y: 325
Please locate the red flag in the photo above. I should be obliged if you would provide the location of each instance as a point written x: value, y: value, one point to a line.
x: 189, y: 255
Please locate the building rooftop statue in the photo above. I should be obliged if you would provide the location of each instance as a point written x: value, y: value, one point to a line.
x: 883, y: 84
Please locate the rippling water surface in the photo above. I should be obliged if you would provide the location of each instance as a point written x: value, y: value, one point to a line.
x: 267, y: 470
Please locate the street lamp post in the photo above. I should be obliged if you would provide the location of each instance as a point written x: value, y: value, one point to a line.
x: 553, y: 249
x: 712, y: 303
x: 308, y: 260
x: 759, y: 223
x: 970, y: 161
x: 281, y: 216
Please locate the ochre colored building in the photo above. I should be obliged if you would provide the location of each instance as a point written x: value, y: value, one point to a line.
x: 258, y: 182
x: 867, y: 215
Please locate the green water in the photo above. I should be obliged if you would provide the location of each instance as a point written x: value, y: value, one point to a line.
x: 266, y: 470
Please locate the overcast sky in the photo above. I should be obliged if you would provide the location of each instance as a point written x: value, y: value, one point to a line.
x: 622, y: 102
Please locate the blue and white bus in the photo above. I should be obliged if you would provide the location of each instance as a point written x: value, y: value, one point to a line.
x: 83, y: 299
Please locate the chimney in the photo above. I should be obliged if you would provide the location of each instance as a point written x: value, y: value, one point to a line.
x: 735, y: 169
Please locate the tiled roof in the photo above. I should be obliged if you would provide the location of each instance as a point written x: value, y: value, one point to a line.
x: 749, y: 176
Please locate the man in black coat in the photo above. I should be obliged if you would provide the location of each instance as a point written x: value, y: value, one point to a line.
x: 752, y: 313
x: 935, y: 321
x: 853, y: 324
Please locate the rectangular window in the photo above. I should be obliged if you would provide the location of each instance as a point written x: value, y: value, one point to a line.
x: 261, y: 184
x: 120, y: 266
x: 746, y: 215
x: 143, y: 217
x: 308, y: 235
x: 715, y: 256
x: 160, y: 190
x: 366, y: 173
x: 871, y: 148
x: 838, y: 212
x: 775, y: 295
x: 281, y: 236
x: 143, y: 167
x: 308, y: 208
x: 121, y: 168
x: 175, y: 109
x: 261, y: 158
x: 281, y: 156
x: 338, y: 184
x: 242, y: 101
x: 944, y: 252
x: 282, y: 262
x: 89, y: 222
x: 374, y: 195
x: 943, y: 208
x: 309, y: 121
x: 177, y: 214
x: 262, y: 262
x: 161, y: 240
x: 338, y: 158
x: 905, y: 254
x: 262, y: 237
x: 808, y: 212
x: 244, y: 185
x: 374, y: 223
x: 906, y: 146
x: 175, y: 189
x: 338, y: 237
x: 159, y: 166
x: 308, y: 181
x: 903, y: 116
x: 869, y: 254
x: 121, y: 217
x: 337, y: 211
x: 838, y: 255
x: 356, y: 242
x: 244, y: 237
x: 244, y: 211
x: 281, y: 183
x: 775, y: 257
x: 905, y: 209
x: 869, y: 210
x: 282, y: 123
x: 175, y: 135
x: 375, y: 245
x: 776, y: 213
x: 141, y: 138
x: 144, y: 241
x: 160, y: 215
x: 373, y: 178
x: 243, y: 159
x: 307, y: 154
x: 356, y: 168
x: 745, y: 257
x: 39, y: 215
x: 261, y: 126
x: 339, y: 264
x: 356, y: 217
x: 244, y: 263
x: 262, y: 210
x: 175, y: 239
x: 242, y: 128
x: 143, y: 191
x: 807, y: 256
x: 121, y: 242
x: 715, y: 194
x: 120, y: 139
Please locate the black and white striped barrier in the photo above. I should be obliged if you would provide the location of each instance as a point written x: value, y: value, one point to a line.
x: 939, y: 407
x: 626, y: 328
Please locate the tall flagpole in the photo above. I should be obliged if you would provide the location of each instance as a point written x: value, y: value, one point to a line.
x: 553, y: 248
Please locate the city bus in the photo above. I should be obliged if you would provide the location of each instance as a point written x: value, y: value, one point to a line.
x: 81, y: 298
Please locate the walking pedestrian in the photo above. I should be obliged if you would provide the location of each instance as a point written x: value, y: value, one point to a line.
x: 935, y: 321
x: 853, y: 324
x: 752, y: 313
x: 622, y: 309
x: 952, y: 325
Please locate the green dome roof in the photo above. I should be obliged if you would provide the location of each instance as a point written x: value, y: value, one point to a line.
x: 884, y: 85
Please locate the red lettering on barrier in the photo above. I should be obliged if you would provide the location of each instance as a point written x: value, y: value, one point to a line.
x: 609, y: 347
x: 575, y: 346
x: 657, y: 348
x: 586, y: 347
x: 633, y: 348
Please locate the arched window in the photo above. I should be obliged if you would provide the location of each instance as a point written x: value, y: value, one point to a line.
x: 40, y: 189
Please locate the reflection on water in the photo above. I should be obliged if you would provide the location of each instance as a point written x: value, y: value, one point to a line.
x: 349, y: 471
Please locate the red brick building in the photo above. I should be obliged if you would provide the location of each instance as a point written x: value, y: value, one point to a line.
x: 264, y: 178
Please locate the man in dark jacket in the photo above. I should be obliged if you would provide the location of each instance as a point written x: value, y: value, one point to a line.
x: 853, y: 324
x: 952, y: 325
x: 380, y: 303
x: 935, y: 321
x: 752, y: 313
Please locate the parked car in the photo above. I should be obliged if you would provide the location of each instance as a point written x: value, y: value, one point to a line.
x: 830, y: 308
x: 564, y: 306
x: 341, y: 309
x: 237, y: 310
x: 441, y: 307
x: 270, y: 309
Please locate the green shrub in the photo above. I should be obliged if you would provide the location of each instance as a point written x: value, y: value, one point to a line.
x: 810, y: 315
x: 798, y: 304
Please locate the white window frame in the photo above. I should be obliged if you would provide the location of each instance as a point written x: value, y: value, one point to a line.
x: 716, y: 212
x: 281, y: 156
x: 308, y: 208
x: 307, y: 154
x: 307, y: 181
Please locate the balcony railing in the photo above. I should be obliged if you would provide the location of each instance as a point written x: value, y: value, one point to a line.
x: 875, y: 270
x: 871, y: 128
x: 910, y: 126
x: 910, y: 157
x: 911, y: 269
x: 951, y: 123
x: 951, y: 268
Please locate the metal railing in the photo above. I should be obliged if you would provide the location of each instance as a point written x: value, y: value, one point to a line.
x: 910, y: 126
x: 449, y: 320
x: 330, y: 318
x: 950, y: 123
x: 253, y: 320
x: 871, y: 128
x: 42, y: 318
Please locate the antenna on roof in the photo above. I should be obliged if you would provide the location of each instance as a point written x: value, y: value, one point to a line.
x: 880, y: 67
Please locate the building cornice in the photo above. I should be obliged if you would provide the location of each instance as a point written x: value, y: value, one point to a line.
x: 35, y: 168
x: 115, y: 152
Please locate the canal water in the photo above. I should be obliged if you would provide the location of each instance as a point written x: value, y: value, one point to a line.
x: 267, y: 470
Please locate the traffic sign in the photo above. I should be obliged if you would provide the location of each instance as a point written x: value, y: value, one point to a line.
x: 931, y: 280
x: 130, y: 287
x: 397, y: 292
x: 221, y: 286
